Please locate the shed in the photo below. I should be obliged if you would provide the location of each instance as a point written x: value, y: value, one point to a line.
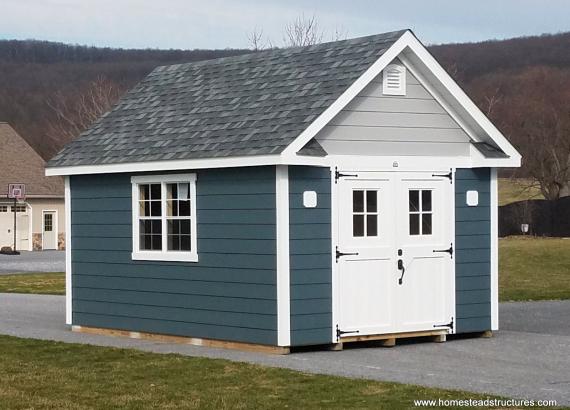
x: 303, y: 196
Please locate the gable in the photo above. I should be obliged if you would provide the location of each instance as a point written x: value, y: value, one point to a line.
x: 19, y: 163
x: 376, y: 123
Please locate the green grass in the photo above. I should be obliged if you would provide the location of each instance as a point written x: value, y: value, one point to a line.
x: 46, y: 283
x: 513, y: 190
x: 54, y: 375
x: 534, y: 268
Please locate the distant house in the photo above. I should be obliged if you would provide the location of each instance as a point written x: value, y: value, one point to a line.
x: 318, y: 195
x: 40, y: 218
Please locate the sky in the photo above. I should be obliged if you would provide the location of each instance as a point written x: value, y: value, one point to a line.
x: 189, y: 24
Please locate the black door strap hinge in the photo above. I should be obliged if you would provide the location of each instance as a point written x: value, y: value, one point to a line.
x: 339, y: 254
x: 449, y: 325
x: 338, y: 175
x: 449, y: 175
x: 448, y: 250
x: 339, y: 332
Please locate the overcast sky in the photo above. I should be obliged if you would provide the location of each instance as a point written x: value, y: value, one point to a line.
x: 223, y: 23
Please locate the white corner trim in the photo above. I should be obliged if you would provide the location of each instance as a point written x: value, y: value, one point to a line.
x: 164, y: 254
x: 494, y: 251
x: 68, y: 276
x: 370, y: 74
x: 283, y: 272
x: 30, y: 223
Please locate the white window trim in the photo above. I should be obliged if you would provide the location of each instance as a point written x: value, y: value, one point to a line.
x: 164, y: 254
x: 401, y: 70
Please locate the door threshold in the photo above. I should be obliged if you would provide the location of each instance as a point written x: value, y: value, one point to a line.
x: 391, y: 337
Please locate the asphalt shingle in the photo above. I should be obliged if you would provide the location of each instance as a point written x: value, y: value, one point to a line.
x: 254, y: 104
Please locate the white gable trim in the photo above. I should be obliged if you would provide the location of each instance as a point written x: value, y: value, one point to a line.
x: 410, y: 42
x: 373, y: 71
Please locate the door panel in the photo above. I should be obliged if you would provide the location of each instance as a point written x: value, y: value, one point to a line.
x: 375, y: 315
x: 366, y: 237
x: 425, y: 226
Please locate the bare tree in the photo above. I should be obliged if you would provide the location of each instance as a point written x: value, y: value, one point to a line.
x: 75, y: 113
x: 339, y: 33
x: 492, y: 100
x: 536, y: 114
x: 302, y: 32
x: 255, y: 39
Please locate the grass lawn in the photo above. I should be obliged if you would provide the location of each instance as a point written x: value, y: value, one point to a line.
x: 53, y: 375
x: 46, y: 283
x: 513, y: 190
x: 534, y: 268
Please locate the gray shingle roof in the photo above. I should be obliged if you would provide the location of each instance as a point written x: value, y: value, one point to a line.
x: 251, y: 104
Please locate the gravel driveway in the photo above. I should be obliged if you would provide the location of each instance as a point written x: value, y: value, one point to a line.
x: 39, y: 261
x: 530, y: 358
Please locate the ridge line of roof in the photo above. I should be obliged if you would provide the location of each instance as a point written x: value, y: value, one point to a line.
x: 274, y: 51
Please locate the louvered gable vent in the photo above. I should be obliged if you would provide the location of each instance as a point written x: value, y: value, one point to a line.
x: 394, y: 80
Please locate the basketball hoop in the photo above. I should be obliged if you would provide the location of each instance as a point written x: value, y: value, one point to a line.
x: 17, y: 191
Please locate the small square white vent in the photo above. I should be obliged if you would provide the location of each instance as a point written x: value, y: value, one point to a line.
x: 394, y: 80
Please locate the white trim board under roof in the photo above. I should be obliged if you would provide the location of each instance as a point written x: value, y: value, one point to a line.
x: 415, y: 57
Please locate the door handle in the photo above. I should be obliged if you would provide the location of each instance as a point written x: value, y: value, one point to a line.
x: 403, y: 269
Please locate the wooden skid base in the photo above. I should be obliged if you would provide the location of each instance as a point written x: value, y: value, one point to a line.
x: 389, y: 340
x: 195, y: 341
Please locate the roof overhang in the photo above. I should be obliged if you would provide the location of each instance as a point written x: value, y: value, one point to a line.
x: 423, y: 65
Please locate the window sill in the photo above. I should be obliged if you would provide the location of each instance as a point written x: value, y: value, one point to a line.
x: 165, y: 256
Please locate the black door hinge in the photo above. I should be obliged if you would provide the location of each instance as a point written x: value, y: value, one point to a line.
x: 449, y: 325
x: 449, y: 175
x: 339, y: 332
x: 338, y: 175
x: 339, y: 254
x: 448, y: 250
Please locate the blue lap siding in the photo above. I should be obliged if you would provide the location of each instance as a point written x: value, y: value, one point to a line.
x: 310, y: 261
x: 229, y: 294
x: 473, y: 251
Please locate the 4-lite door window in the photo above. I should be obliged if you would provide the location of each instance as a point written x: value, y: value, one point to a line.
x: 164, y: 217
x: 364, y: 213
x: 420, y: 208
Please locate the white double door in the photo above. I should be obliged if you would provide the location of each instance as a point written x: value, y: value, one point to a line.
x: 395, y: 269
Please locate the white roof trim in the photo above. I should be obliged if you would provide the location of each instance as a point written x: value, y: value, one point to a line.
x: 409, y: 41
x: 225, y: 162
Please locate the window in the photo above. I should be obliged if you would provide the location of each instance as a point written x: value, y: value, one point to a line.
x: 3, y: 208
x: 394, y: 80
x: 364, y: 213
x: 420, y: 208
x: 19, y: 208
x: 48, y: 222
x: 164, y: 217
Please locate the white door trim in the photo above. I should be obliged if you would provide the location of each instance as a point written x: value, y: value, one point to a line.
x: 55, y: 221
